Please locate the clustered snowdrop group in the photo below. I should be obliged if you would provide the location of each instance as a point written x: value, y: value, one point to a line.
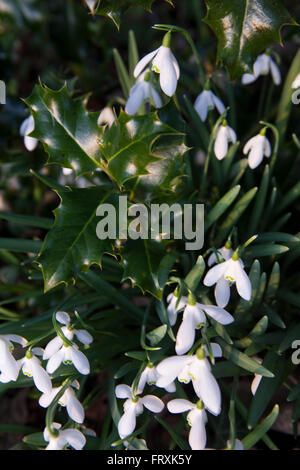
x: 61, y: 349
x: 190, y: 365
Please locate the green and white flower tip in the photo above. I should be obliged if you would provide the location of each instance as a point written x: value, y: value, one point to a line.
x: 296, y: 82
x: 141, y: 92
x: 68, y: 400
x: 197, y: 369
x: 263, y: 65
x: 31, y: 367
x: 133, y: 407
x: 207, y: 101
x: 224, y: 275
x: 225, y: 134
x: 196, y: 418
x: 175, y: 306
x: 257, y: 147
x: 194, y: 318
x: 26, y: 128
x: 106, y: 117
x: 64, y: 438
x: 9, y: 367
x: 56, y: 352
x: 164, y: 63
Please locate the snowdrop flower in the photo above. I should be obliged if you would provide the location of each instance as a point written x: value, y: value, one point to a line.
x: 207, y: 101
x: 197, y: 369
x: 222, y: 254
x: 175, y: 306
x: 31, y: 366
x: 222, y: 289
x: 149, y: 376
x: 257, y: 147
x: 296, y: 82
x: 225, y: 134
x: 57, y: 352
x: 63, y: 438
x: 263, y: 65
x: 26, y: 128
x: 9, y: 367
x: 140, y: 92
x: 133, y: 407
x: 164, y: 63
x: 193, y: 319
x: 196, y: 418
x: 231, y: 270
x: 106, y: 117
x: 68, y: 399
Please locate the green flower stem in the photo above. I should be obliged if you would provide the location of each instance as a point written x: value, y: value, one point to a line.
x: 51, y: 409
x: 187, y: 36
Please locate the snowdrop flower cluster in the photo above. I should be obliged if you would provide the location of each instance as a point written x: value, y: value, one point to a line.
x: 164, y: 63
x: 207, y: 101
x: 225, y: 134
x: 142, y: 91
x: 62, y: 438
x: 257, y: 147
x: 26, y: 128
x: 263, y: 65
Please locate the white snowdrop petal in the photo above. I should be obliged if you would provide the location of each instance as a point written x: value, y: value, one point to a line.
x: 206, y: 386
x: 46, y: 398
x: 153, y: 403
x: 201, y: 105
x: 197, y: 435
x: 243, y: 283
x: 180, y: 405
x: 214, y: 274
x: 275, y: 72
x: 231, y: 135
x: 267, y: 148
x: 176, y: 65
x: 17, y: 339
x: 172, y: 366
x: 222, y: 292
x: 156, y: 98
x: 249, y: 145
x: 127, y: 422
x: 256, y: 154
x: 74, y: 407
x: 63, y: 317
x: 255, y: 383
x: 134, y: 101
x: 143, y: 62
x: 41, y: 378
x: 171, y: 388
x: 216, y: 349
x: 123, y: 391
x: 37, y: 351
x: 186, y: 332
x: 221, y: 143
x: 55, y: 361
x: 30, y: 143
x: 74, y: 437
x: 219, y: 314
x: 261, y: 65
x: 168, y: 78
x: 219, y: 104
x: 83, y: 336
x: 52, y: 347
x: 80, y: 361
x: 248, y: 78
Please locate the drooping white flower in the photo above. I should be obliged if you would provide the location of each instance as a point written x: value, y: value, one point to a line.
x: 225, y: 134
x: 296, y: 82
x: 222, y: 254
x: 164, y: 63
x: 263, y: 65
x: 142, y: 91
x: 193, y: 319
x: 9, y: 367
x: 196, y: 418
x: 106, y: 117
x: 133, y: 407
x: 257, y: 147
x: 231, y: 270
x: 175, y: 306
x: 222, y: 289
x: 207, y: 101
x: 149, y: 376
x: 57, y: 352
x: 26, y: 128
x: 68, y: 400
x: 32, y: 367
x: 64, y: 438
x: 197, y: 369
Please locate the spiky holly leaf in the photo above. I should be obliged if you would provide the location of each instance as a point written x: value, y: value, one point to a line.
x: 128, y: 146
x: 72, y: 245
x: 114, y: 8
x: 69, y: 133
x: 245, y: 28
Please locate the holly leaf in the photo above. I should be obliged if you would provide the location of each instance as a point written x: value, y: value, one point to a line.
x: 244, y: 29
x: 69, y: 133
x: 114, y: 8
x: 72, y: 245
x: 129, y: 145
